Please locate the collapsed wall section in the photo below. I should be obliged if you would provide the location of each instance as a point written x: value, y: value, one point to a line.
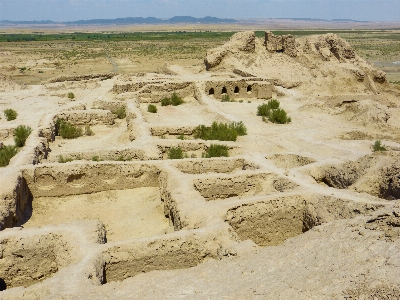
x: 239, y: 89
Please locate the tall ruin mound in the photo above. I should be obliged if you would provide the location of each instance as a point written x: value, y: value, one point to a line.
x: 320, y: 64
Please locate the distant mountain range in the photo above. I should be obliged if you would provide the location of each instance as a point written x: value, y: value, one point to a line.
x: 126, y: 21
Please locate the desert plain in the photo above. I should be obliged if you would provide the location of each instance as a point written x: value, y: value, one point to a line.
x: 135, y: 208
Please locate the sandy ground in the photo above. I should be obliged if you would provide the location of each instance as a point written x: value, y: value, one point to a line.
x: 126, y: 214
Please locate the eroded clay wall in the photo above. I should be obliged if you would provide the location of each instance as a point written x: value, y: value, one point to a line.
x: 238, y: 89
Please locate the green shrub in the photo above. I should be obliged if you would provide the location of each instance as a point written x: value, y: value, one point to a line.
x: 216, y: 150
x: 181, y: 137
x: 226, y: 98
x: 10, y: 114
x: 21, y: 133
x: 175, y: 100
x: 63, y: 160
x: 220, y: 131
x: 175, y: 153
x: 152, y: 108
x: 71, y: 95
x: 88, y: 130
x: 279, y: 116
x: 6, y: 153
x: 68, y: 131
x: 121, y: 158
x: 120, y: 112
x: 96, y: 158
x: 272, y: 111
x: 378, y: 146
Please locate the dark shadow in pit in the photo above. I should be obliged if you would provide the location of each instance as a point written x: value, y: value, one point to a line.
x: 23, y: 204
x: 3, y: 285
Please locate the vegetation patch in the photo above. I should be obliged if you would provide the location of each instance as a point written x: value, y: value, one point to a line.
x: 68, y: 131
x: 174, y: 100
x: 120, y: 112
x: 151, y: 108
x: 216, y: 150
x: 378, y: 146
x: 10, y: 114
x: 226, y: 98
x: 63, y: 160
x: 221, y: 131
x: 21, y: 133
x: 6, y: 153
x: 175, y: 153
x: 273, y: 113
x: 88, y: 130
x: 71, y: 95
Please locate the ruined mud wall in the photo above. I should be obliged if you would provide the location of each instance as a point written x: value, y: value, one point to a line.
x: 83, y: 178
x: 239, y: 89
x: 284, y: 43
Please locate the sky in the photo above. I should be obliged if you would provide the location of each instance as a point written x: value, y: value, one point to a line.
x: 72, y: 10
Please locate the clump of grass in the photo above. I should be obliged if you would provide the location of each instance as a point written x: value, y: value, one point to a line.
x: 88, y: 130
x: 181, y: 137
x: 152, y: 108
x: 68, y: 131
x: 21, y: 133
x: 174, y: 100
x: 216, y: 150
x: 10, y: 114
x: 96, y: 158
x: 121, y: 158
x: 273, y: 113
x: 226, y: 98
x: 220, y: 131
x: 175, y: 153
x: 120, y: 112
x: 378, y: 146
x: 6, y: 153
x: 63, y: 160
x: 71, y: 95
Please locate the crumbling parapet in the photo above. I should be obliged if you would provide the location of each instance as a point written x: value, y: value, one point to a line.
x: 284, y: 43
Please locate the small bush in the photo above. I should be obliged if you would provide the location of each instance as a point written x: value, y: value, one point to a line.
x: 63, y: 160
x: 120, y: 112
x: 121, y: 158
x: 10, y: 114
x: 175, y: 100
x: 272, y: 111
x: 226, y: 98
x: 71, y: 95
x: 175, y: 153
x: 67, y: 131
x: 21, y: 133
x: 378, y: 146
x: 181, y: 137
x: 96, y: 158
x: 88, y: 130
x: 216, y: 150
x: 220, y: 131
x: 6, y: 153
x: 152, y: 108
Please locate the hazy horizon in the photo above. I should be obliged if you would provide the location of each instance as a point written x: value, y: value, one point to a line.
x: 73, y: 10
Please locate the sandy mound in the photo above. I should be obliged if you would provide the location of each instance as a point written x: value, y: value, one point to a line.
x: 324, y: 64
x: 7, y: 85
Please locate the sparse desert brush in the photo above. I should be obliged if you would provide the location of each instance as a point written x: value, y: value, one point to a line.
x: 88, y: 130
x: 220, y: 131
x: 174, y: 100
x: 68, y: 131
x: 175, y: 153
x: 63, y: 160
x: 152, y: 108
x: 226, y: 98
x: 121, y: 158
x: 10, y: 114
x: 96, y: 158
x: 71, y: 95
x: 181, y: 137
x: 120, y: 112
x: 21, y: 133
x: 272, y: 111
x: 216, y: 150
x: 6, y: 153
x: 378, y: 146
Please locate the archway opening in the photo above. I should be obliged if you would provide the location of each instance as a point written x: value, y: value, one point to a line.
x: 236, y: 91
x: 224, y: 90
x: 249, y: 88
x: 211, y: 91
